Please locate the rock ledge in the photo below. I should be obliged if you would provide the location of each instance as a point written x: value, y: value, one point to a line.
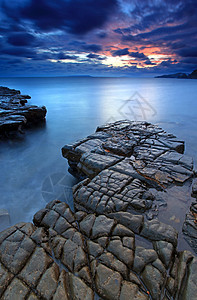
x: 15, y: 113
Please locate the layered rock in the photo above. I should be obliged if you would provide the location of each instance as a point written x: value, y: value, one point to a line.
x: 131, y: 167
x: 66, y: 255
x: 15, y: 113
x: 111, y: 246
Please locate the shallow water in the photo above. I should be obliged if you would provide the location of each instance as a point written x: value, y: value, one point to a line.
x: 32, y: 170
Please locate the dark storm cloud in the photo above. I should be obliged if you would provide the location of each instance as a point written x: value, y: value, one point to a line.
x: 18, y: 51
x: 92, y: 47
x: 102, y: 35
x: 188, y: 52
x: 125, y: 51
x: 121, y: 52
x: 138, y: 55
x: 188, y: 60
x: 146, y: 14
x: 21, y: 39
x: 166, y: 33
x: 76, y: 16
x: 95, y: 56
x: 33, y: 33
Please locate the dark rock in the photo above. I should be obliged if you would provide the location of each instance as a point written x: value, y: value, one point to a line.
x: 131, y: 291
x: 15, y: 114
x: 133, y: 222
x: 142, y: 258
x: 190, y: 288
x: 157, y: 231
x: 177, y: 75
x: 193, y: 75
x: 83, y: 256
x: 190, y: 227
x: 153, y: 280
x: 108, y: 282
x: 131, y: 169
x: 194, y: 188
x: 165, y: 251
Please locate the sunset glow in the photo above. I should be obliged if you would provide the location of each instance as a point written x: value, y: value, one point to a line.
x: 71, y: 38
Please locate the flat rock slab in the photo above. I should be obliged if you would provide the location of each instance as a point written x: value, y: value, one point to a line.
x: 132, y: 167
x: 66, y: 255
x: 15, y: 113
x: 126, y: 169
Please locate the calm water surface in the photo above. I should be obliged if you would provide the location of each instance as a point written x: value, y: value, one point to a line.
x: 32, y: 170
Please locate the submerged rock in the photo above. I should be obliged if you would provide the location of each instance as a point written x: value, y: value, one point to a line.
x: 15, y: 113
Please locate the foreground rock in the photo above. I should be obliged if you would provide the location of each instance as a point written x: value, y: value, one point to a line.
x: 132, y: 167
x: 190, y: 224
x: 111, y: 247
x: 66, y: 255
x: 15, y: 113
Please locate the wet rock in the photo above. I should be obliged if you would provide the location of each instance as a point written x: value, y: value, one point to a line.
x: 156, y: 231
x: 67, y: 255
x: 153, y: 280
x: 111, y: 261
x: 108, y: 282
x: 133, y: 222
x: 15, y: 113
x: 184, y: 260
x: 190, y: 288
x: 122, y: 231
x: 194, y: 188
x: 92, y: 163
x: 87, y: 224
x: 165, y: 251
x: 78, y: 289
x: 130, y: 168
x: 102, y: 227
x: 184, y: 279
x: 123, y: 253
x: 190, y: 227
x: 142, y: 258
x: 131, y: 291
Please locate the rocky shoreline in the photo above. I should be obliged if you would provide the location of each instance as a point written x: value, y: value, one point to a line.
x: 112, y: 246
x: 15, y: 113
x: 192, y: 75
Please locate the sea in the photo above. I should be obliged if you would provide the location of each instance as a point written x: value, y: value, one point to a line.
x: 32, y: 169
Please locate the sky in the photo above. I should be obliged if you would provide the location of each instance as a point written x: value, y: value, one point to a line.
x: 137, y: 38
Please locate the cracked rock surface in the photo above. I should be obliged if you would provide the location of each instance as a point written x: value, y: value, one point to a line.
x: 66, y: 255
x: 15, y: 113
x: 111, y: 246
x: 133, y: 167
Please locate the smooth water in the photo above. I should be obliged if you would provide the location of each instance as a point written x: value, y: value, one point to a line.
x: 32, y: 170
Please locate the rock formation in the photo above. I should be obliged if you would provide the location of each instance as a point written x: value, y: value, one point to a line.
x: 15, y: 113
x: 67, y: 255
x: 111, y: 246
x: 192, y: 75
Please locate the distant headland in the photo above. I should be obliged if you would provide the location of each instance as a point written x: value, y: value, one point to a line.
x: 193, y: 75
